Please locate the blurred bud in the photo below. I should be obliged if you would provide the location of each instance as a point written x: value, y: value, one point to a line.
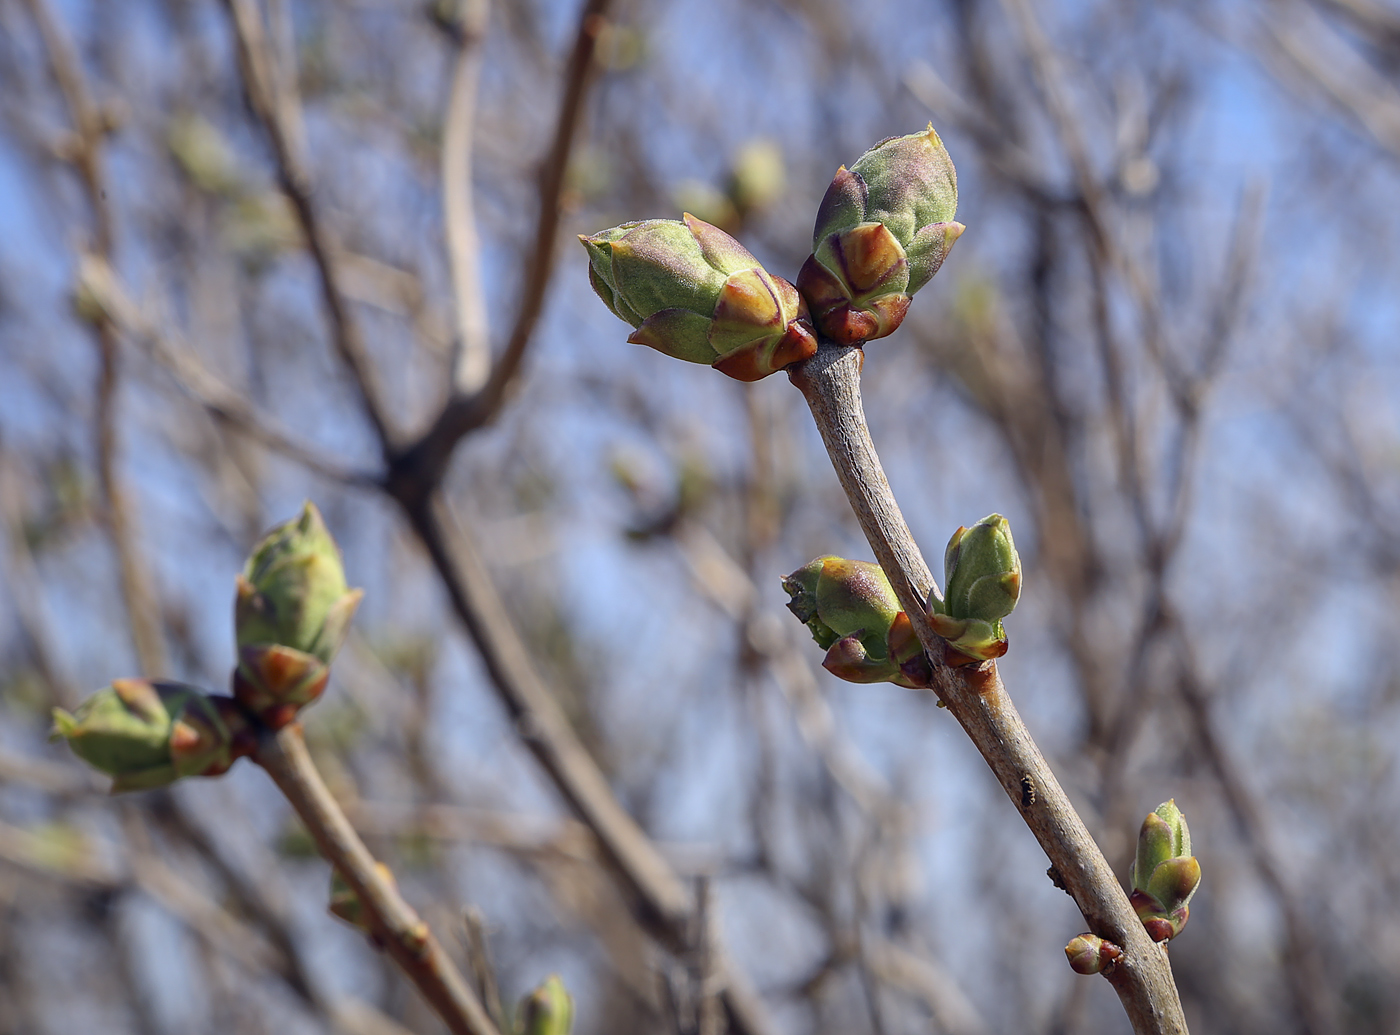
x: 851, y: 610
x: 758, y: 176
x: 694, y: 293
x: 983, y: 575
x: 204, y: 155
x: 1090, y: 954
x: 291, y: 614
x: 706, y: 202
x: 292, y: 591
x: 548, y: 1010
x: 146, y: 734
x: 883, y: 229
x: 346, y: 905
x: 1165, y: 874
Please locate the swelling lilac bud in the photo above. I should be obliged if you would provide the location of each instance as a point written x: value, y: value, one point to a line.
x: 983, y: 575
x: 851, y: 610
x: 548, y: 1010
x: 147, y: 734
x: 292, y: 591
x: 694, y: 293
x: 291, y: 615
x: 1090, y: 954
x: 882, y: 231
x: 1165, y: 873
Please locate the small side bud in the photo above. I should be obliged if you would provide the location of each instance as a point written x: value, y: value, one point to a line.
x: 882, y: 231
x: 694, y: 293
x: 982, y: 572
x: 291, y: 614
x: 548, y: 1010
x: 148, y: 734
x: 851, y: 610
x: 1165, y: 873
x: 346, y: 905
x: 1090, y: 954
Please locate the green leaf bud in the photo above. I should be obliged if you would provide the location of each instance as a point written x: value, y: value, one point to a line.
x: 291, y: 614
x: 1165, y: 874
x: 694, y: 293
x: 149, y: 734
x: 1090, y: 954
x: 345, y: 904
x: 851, y: 610
x: 548, y: 1010
x: 882, y: 231
x: 292, y: 591
x: 982, y: 572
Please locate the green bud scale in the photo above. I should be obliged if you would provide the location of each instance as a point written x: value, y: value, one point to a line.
x: 148, y: 734
x: 548, y: 1010
x: 1165, y: 873
x: 291, y: 614
x: 882, y: 231
x: 851, y: 610
x: 694, y: 293
x: 982, y: 574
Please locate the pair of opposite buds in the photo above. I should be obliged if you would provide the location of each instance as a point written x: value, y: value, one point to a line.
x: 1165, y: 876
x: 693, y: 292
x: 853, y: 614
x: 291, y: 614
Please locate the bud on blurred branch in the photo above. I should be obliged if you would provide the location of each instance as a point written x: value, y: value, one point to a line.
x: 694, y: 293
x: 291, y: 615
x: 147, y: 734
x: 548, y: 1010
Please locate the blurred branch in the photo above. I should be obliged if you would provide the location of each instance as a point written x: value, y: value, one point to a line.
x: 473, y: 361
x: 1380, y: 23
x: 193, y: 906
x: 393, y: 920
x: 276, y: 109
x: 415, y: 473
x: 1318, y: 54
x: 952, y: 1011
x: 198, y: 381
x: 1308, y: 981
x: 418, y: 468
x: 655, y: 892
x: 1095, y: 200
x: 483, y: 968
x: 830, y: 382
x: 90, y: 128
x: 26, y: 588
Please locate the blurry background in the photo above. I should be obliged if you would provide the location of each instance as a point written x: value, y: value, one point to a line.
x: 1165, y: 348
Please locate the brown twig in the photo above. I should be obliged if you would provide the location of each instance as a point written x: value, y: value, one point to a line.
x: 403, y: 933
x: 657, y: 896
x: 830, y: 382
